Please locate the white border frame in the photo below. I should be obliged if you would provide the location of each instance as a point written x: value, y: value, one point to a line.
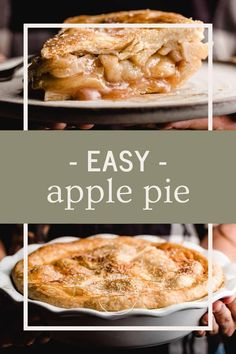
x: 26, y: 327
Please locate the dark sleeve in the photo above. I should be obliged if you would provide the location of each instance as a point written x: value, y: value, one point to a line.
x: 201, y: 230
x: 4, y: 13
x: 84, y: 230
x: 40, y: 12
x: 11, y: 237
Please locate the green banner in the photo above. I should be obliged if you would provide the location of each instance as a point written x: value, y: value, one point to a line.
x: 117, y: 177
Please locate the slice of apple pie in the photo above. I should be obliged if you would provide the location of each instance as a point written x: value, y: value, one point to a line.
x: 110, y: 63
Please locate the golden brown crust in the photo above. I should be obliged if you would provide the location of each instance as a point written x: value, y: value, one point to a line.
x: 116, y: 274
x: 92, y: 63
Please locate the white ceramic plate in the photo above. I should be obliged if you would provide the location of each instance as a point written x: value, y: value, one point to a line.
x: 188, y: 102
x: 184, y: 314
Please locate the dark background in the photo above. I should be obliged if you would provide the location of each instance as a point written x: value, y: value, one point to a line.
x: 56, y: 11
x: 45, y: 11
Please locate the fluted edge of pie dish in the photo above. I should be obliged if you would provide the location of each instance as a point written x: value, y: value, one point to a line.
x: 229, y: 289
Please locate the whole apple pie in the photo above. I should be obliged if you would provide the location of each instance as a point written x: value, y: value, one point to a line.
x: 110, y: 63
x: 116, y: 274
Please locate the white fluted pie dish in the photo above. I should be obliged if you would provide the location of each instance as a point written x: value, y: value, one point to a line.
x: 182, y: 314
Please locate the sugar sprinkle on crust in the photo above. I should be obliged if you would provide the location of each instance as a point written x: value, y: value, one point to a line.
x: 116, y: 274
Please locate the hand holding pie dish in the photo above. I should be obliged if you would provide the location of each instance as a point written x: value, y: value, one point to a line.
x: 110, y: 63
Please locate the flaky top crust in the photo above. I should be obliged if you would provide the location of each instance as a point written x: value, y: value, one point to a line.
x: 116, y: 274
x: 110, y: 41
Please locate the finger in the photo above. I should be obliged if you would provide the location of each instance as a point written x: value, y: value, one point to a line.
x: 38, y: 125
x: 232, y: 308
x: 215, y: 327
x: 63, y: 126
x: 79, y: 126
x: 219, y: 123
x: 195, y: 124
x: 228, y: 300
x: 224, y: 123
x: 86, y: 126
x: 57, y: 126
x: 223, y: 318
x: 204, y: 320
